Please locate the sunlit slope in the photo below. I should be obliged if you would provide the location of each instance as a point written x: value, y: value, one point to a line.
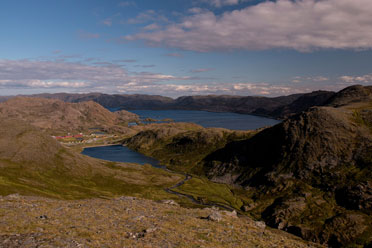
x: 33, y: 163
x: 60, y: 117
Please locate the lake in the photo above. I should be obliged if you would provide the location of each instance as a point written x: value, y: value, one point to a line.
x: 118, y: 153
x: 227, y: 120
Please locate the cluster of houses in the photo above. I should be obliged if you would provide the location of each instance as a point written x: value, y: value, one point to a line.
x: 77, y: 136
x: 81, y: 138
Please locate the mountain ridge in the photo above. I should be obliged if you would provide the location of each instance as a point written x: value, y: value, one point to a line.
x: 274, y: 107
x: 321, y: 155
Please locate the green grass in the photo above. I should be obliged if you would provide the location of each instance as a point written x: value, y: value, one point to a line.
x: 210, y: 192
x: 109, y: 180
x: 184, y: 150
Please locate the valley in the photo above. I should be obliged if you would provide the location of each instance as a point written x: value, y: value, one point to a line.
x: 191, y: 124
x: 308, y: 176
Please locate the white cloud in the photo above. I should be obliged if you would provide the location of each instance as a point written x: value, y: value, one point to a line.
x: 21, y: 76
x: 195, y: 10
x: 320, y: 79
x: 201, y: 70
x: 176, y: 90
x: 107, y: 22
x: 152, y: 26
x: 313, y: 79
x: 49, y: 70
x: 357, y: 79
x: 147, y: 16
x: 221, y: 3
x: 43, y: 84
x: 303, y: 25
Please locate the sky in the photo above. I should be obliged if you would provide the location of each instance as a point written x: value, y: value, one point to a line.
x: 184, y: 47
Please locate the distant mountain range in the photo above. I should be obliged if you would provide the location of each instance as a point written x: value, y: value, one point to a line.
x: 275, y: 107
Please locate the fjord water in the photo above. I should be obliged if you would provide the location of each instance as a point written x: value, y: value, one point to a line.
x: 227, y: 120
x: 118, y: 153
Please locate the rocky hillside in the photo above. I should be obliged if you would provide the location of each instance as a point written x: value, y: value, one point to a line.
x: 353, y: 94
x: 4, y: 98
x: 302, y: 103
x: 56, y: 115
x: 311, y: 174
x: 237, y: 104
x: 128, y: 222
x: 181, y: 146
x: 135, y: 101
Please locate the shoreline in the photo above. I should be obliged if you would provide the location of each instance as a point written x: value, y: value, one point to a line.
x: 210, y: 111
x: 92, y: 146
x: 81, y: 148
x: 171, y: 190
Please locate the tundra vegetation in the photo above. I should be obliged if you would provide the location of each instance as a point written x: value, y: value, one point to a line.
x: 54, y: 196
x: 309, y: 175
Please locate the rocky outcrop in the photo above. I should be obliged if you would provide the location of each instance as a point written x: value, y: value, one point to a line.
x: 357, y: 196
x: 349, y: 95
x: 304, y: 102
x: 311, y: 146
x: 182, y: 145
x: 347, y: 228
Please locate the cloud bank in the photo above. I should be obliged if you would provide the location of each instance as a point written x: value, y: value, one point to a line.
x: 363, y: 79
x: 22, y: 76
x: 302, y: 25
x: 101, y: 76
x: 176, y: 90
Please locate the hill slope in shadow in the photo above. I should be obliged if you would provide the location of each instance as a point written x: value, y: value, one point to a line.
x: 311, y: 174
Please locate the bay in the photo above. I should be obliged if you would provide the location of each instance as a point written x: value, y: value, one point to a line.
x: 119, y: 153
x: 227, y: 120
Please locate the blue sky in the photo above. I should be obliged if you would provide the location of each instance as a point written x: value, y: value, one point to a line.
x: 184, y: 47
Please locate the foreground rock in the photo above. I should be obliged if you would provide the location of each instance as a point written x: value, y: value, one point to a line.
x: 115, y: 223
